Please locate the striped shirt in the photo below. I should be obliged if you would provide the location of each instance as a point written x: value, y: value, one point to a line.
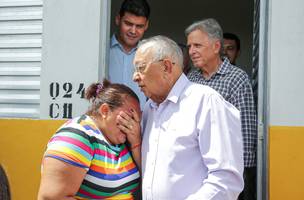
x: 233, y: 84
x: 111, y: 171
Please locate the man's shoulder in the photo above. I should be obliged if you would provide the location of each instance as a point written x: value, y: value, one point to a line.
x: 115, y: 46
x: 113, y: 41
x: 200, y: 90
x: 236, y: 71
x: 194, y: 74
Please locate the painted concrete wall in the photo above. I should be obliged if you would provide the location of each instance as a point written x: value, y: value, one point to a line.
x: 286, y: 63
x: 285, y: 163
x: 73, y: 48
x: 22, y: 145
x: 286, y: 96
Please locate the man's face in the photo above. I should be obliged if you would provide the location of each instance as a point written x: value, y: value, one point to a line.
x: 150, y: 76
x: 230, y: 50
x: 131, y: 29
x: 202, y: 50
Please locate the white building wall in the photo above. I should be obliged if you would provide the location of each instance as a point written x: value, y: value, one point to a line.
x: 286, y: 63
x: 73, y: 55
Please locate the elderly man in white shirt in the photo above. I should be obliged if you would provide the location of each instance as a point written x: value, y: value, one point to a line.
x: 192, y: 141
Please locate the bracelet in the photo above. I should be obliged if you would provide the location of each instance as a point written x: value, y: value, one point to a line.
x: 135, y: 146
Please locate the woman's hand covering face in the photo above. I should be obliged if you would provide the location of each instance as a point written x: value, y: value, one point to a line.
x: 129, y: 123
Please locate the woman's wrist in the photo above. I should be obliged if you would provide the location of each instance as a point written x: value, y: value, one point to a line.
x: 137, y: 145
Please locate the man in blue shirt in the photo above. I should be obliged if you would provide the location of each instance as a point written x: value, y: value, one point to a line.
x: 132, y: 22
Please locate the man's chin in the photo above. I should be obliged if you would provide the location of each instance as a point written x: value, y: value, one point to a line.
x: 195, y: 63
x: 145, y: 93
x: 132, y: 43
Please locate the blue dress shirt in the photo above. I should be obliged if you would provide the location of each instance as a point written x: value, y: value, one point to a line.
x: 121, y: 68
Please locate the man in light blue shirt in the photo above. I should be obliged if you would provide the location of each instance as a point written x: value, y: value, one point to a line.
x: 132, y: 22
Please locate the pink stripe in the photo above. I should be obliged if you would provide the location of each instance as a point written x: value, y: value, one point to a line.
x: 74, y: 142
x: 110, y: 155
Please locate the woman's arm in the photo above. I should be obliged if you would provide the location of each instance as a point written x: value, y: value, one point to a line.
x: 136, y: 153
x: 59, y: 180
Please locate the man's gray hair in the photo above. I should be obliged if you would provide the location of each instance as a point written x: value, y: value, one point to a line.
x: 162, y: 47
x: 209, y: 26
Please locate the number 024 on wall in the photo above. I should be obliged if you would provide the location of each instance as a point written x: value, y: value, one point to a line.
x: 60, y: 95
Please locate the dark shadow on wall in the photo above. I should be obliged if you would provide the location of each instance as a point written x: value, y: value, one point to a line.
x: 4, y: 186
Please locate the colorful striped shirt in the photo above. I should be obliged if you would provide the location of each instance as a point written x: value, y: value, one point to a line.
x: 111, y: 171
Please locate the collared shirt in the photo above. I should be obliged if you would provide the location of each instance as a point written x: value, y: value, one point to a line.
x: 121, y: 68
x: 233, y: 84
x: 192, y: 146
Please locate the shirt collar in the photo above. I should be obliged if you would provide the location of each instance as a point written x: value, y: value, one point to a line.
x: 223, y: 69
x: 115, y: 42
x: 225, y: 66
x: 176, y: 90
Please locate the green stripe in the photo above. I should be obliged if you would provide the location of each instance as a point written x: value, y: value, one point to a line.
x: 100, y: 193
x: 108, y: 148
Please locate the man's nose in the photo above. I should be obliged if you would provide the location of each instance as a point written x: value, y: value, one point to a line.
x: 136, y: 77
x: 190, y: 50
x: 133, y: 29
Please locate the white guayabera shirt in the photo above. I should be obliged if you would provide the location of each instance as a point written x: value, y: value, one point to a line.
x: 192, y: 146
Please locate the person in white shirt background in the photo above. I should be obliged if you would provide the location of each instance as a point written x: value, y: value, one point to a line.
x: 191, y: 137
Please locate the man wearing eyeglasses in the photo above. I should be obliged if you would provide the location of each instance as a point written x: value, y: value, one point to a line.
x: 191, y: 137
x: 132, y: 22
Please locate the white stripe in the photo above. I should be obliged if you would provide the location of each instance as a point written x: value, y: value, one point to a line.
x: 111, y: 184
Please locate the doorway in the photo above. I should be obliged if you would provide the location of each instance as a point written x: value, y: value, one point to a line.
x: 170, y: 18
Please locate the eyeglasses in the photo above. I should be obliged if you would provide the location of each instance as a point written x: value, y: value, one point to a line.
x: 140, y: 67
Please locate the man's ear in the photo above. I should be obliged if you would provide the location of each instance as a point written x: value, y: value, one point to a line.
x: 238, y: 53
x: 168, y: 65
x: 104, y: 110
x: 117, y: 20
x: 217, y: 46
x: 147, y: 25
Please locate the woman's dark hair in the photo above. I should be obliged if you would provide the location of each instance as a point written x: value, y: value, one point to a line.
x: 113, y: 94
x: 135, y: 7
